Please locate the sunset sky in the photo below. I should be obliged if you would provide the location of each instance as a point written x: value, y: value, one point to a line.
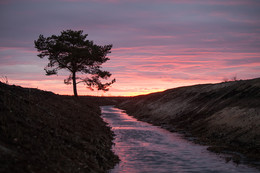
x: 157, y: 44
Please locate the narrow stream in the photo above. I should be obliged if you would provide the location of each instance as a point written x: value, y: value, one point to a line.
x: 144, y: 148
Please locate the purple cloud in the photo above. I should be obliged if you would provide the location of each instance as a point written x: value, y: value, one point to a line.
x: 169, y: 42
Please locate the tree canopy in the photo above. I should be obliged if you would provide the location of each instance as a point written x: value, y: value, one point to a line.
x: 72, y: 51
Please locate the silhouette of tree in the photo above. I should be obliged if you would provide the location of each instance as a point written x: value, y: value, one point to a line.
x: 73, y: 52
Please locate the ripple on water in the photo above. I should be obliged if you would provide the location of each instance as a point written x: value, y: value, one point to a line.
x: 145, y: 148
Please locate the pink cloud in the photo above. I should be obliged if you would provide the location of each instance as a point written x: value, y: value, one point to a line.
x: 157, y: 44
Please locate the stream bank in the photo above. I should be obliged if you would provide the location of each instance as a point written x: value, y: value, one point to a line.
x: 44, y: 132
x: 225, y: 116
x: 144, y: 148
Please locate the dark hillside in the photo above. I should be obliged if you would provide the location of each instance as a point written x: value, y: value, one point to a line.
x: 225, y: 115
x: 44, y: 132
x: 103, y: 101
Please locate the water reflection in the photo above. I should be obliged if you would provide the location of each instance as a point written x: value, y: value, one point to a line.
x: 145, y: 148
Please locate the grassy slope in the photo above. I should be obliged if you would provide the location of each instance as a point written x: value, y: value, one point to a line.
x: 225, y: 115
x: 44, y: 132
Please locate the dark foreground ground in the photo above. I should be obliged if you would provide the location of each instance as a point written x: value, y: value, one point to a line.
x: 44, y: 132
x: 225, y: 116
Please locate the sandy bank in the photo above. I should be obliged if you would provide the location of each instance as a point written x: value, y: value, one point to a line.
x: 44, y: 132
x: 225, y: 115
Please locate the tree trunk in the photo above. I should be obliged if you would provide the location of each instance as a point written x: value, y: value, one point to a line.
x: 74, y: 84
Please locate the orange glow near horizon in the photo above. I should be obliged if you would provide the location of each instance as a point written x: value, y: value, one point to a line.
x: 157, y: 45
x: 139, y: 73
x: 58, y: 87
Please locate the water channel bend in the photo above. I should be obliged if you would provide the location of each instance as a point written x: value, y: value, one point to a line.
x: 143, y: 148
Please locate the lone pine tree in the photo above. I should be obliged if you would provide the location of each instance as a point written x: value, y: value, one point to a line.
x: 73, y: 52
